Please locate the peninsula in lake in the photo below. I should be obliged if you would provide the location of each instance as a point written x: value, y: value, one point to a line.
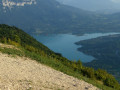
x: 106, y: 51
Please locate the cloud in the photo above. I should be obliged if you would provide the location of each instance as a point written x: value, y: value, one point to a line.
x: 116, y: 1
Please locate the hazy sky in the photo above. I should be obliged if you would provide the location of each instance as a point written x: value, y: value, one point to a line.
x: 116, y: 1
x: 93, y: 4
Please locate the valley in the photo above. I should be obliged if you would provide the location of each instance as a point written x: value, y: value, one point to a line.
x: 20, y: 44
x: 65, y: 44
x: 71, y: 40
x: 94, y: 49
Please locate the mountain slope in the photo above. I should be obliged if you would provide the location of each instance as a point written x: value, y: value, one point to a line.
x: 47, y: 16
x: 93, y: 5
x: 24, y: 73
x: 19, y: 37
x: 30, y: 48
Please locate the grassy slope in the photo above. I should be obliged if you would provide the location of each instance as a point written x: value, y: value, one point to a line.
x: 36, y: 51
x: 54, y: 64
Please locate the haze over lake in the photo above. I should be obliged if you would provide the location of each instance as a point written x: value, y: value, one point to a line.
x: 65, y: 44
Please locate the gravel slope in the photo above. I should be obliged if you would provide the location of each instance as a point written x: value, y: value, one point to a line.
x: 20, y: 73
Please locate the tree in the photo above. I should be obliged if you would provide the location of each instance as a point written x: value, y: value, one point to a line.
x: 79, y: 64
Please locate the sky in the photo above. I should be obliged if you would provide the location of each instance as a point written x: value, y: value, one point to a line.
x: 116, y: 1
x: 93, y: 5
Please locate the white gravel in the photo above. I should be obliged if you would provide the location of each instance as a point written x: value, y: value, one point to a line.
x: 20, y: 73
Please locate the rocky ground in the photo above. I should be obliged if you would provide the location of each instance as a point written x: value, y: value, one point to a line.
x: 20, y: 73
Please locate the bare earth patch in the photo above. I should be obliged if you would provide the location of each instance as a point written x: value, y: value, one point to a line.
x: 8, y: 46
x: 25, y: 74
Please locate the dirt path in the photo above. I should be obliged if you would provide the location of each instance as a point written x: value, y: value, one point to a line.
x: 25, y: 74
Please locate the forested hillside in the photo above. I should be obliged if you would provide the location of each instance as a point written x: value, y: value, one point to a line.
x: 31, y: 48
x: 46, y: 16
x: 106, y: 51
x: 49, y: 16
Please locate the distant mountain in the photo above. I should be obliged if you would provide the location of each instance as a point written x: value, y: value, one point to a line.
x: 114, y: 20
x: 93, y: 5
x: 11, y: 3
x: 42, y: 15
x: 107, y: 11
x: 49, y: 16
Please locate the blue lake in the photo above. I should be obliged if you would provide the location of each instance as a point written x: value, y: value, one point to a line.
x: 64, y: 44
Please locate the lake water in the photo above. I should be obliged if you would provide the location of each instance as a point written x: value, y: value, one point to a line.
x: 64, y: 44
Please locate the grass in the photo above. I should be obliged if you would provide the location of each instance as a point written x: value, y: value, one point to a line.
x: 56, y: 64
